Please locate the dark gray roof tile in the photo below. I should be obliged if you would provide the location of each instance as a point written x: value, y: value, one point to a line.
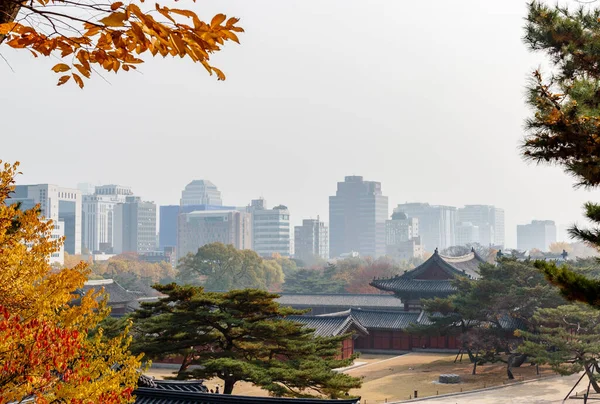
x: 146, y: 395
x: 330, y: 326
x: 116, y: 293
x: 339, y: 300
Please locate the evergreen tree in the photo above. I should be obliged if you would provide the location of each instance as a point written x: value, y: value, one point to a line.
x: 568, y: 339
x: 483, y: 312
x: 241, y: 335
x: 565, y: 126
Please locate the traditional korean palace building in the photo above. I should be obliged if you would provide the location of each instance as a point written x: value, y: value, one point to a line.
x: 433, y: 278
x: 385, y: 321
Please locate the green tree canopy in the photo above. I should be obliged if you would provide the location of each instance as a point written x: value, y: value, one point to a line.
x: 220, y: 267
x: 483, y: 312
x: 568, y: 339
x: 314, y: 281
x: 565, y: 126
x: 241, y: 335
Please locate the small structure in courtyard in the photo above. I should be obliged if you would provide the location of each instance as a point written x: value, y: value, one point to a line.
x: 449, y: 378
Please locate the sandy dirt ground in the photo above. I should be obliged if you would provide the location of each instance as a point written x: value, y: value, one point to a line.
x: 546, y: 391
x: 395, y: 378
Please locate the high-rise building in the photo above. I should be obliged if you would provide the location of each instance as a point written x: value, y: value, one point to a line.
x: 400, y: 228
x: 402, y: 241
x: 270, y: 229
x: 437, y: 224
x: 98, y: 216
x: 539, y: 234
x: 167, y: 230
x: 169, y: 218
x: 490, y: 221
x: 201, y: 192
x: 199, y: 228
x: 357, y: 215
x: 134, y: 226
x: 466, y: 233
x: 58, y: 204
x: 311, y: 240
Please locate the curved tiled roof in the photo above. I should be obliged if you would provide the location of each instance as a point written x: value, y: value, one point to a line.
x: 424, y: 286
x: 146, y: 395
x: 116, y: 293
x: 151, y: 391
x: 466, y: 265
x: 378, y: 319
x: 330, y: 326
x: 389, y: 302
x: 186, y: 386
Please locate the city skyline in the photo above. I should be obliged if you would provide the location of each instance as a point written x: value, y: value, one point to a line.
x: 267, y: 123
x: 297, y: 221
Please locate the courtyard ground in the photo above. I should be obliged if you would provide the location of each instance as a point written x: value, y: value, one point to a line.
x: 394, y: 378
x: 550, y: 390
x: 397, y: 378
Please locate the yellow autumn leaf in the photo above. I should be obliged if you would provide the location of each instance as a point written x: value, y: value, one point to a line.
x: 116, y: 5
x: 84, y: 72
x: 63, y: 80
x: 78, y: 80
x: 220, y: 75
x: 114, y: 19
x: 231, y: 36
x: 61, y: 67
x: 217, y: 20
x: 186, y: 13
x: 7, y: 27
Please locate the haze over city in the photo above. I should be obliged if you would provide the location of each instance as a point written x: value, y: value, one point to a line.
x: 331, y: 202
x: 313, y: 94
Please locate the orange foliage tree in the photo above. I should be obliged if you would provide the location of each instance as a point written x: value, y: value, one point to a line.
x: 45, y: 349
x: 369, y: 270
x: 114, y: 37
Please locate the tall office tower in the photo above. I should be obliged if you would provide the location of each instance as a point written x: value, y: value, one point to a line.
x: 169, y: 219
x: 201, y: 192
x: 357, y: 215
x: 490, y: 221
x: 58, y: 204
x: 402, y: 241
x: 270, y: 229
x: 467, y: 233
x: 134, y: 226
x: 199, y: 228
x: 311, y: 240
x: 98, y: 216
x: 538, y: 234
x: 400, y: 228
x: 437, y: 224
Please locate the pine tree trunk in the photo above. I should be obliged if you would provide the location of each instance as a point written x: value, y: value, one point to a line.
x: 185, y: 364
x: 514, y: 361
x: 228, y: 387
x: 8, y: 12
x: 590, y: 376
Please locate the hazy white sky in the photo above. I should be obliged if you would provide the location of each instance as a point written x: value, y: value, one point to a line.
x: 425, y: 97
